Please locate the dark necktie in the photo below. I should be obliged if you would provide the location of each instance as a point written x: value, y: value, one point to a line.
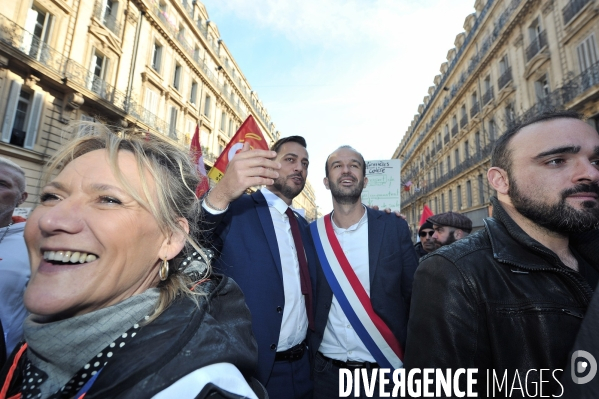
x: 303, y: 266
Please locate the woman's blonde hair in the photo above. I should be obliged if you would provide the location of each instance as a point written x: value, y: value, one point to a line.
x: 175, y: 179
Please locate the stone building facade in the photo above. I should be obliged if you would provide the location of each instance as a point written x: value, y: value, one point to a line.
x: 515, y: 58
x: 156, y: 65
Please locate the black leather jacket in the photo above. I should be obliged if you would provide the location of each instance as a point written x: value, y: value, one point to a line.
x: 499, y: 300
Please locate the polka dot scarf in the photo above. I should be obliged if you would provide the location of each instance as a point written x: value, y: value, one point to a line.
x: 34, y: 377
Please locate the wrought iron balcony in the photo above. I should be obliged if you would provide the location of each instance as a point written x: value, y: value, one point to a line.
x: 488, y: 96
x: 535, y: 47
x: 454, y: 130
x: 572, y: 8
x: 474, y: 110
x: 463, y: 121
x: 505, y: 78
x: 108, y: 20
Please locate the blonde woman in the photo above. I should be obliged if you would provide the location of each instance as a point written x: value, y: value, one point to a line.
x: 113, y: 314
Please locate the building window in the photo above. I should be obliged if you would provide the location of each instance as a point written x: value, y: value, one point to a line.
x: 441, y: 168
x: 21, y: 120
x: 448, y: 163
x: 177, y: 77
x: 230, y: 127
x: 450, y: 201
x: 193, y: 94
x: 492, y: 130
x: 466, y: 150
x: 477, y: 142
x: 442, y: 202
x: 587, y: 53
x: 223, y: 121
x: 481, y: 190
x: 99, y: 67
x: 468, y: 193
x: 207, y: 106
x: 542, y: 87
x: 457, y: 157
x: 156, y: 56
x: 39, y: 24
x: 151, y: 101
x: 172, y: 129
x: 459, y: 193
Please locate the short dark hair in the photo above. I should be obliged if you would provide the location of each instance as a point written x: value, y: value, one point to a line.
x: 326, y: 162
x: 501, y: 154
x: 291, y: 139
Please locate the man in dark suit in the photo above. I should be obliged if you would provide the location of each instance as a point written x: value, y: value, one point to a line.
x: 379, y: 252
x: 257, y: 240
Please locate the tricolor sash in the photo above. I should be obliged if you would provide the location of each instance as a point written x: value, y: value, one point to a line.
x: 351, y: 295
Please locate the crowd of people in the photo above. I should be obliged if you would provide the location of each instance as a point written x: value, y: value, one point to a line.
x: 137, y: 288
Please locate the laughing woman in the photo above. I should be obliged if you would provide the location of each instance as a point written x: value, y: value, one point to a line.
x: 113, y: 315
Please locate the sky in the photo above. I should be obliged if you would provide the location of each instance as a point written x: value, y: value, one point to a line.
x: 340, y: 71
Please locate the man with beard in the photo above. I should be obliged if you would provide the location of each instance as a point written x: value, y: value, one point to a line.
x: 364, y: 282
x: 509, y: 299
x: 266, y: 248
x: 427, y: 243
x: 450, y: 227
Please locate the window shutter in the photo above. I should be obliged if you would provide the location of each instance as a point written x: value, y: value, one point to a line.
x: 34, y: 119
x: 11, y: 108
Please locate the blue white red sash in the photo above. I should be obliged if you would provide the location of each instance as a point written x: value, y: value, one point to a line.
x: 351, y: 295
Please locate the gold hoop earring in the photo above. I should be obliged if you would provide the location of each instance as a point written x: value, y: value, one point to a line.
x: 163, y: 272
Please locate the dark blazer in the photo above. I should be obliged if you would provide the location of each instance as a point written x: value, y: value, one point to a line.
x: 247, y: 251
x: 392, y: 262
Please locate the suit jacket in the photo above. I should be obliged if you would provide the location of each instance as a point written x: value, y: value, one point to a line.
x: 247, y: 251
x: 392, y: 262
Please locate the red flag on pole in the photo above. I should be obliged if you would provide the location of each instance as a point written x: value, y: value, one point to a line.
x: 248, y: 131
x: 198, y: 159
x: 426, y: 213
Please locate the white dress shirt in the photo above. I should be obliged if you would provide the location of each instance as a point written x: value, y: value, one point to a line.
x: 340, y: 341
x: 295, y: 319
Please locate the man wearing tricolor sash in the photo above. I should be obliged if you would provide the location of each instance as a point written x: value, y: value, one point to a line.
x: 364, y: 283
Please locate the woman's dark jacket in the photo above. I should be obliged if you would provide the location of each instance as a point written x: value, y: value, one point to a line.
x: 499, y: 300
x: 182, y: 339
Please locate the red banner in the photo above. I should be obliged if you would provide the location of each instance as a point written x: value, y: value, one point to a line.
x: 250, y: 132
x: 198, y: 159
x: 426, y: 213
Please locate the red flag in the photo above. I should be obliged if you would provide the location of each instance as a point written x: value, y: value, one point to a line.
x: 248, y: 131
x: 426, y: 213
x: 198, y: 159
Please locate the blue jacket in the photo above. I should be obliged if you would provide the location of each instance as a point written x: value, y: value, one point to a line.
x: 247, y: 251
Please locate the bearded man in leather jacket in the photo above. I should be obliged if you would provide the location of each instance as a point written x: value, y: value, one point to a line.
x: 510, y: 298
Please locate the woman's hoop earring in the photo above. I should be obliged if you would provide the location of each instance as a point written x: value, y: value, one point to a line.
x: 163, y: 272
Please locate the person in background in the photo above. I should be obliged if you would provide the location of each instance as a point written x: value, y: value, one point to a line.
x: 450, y: 227
x: 14, y: 262
x: 114, y: 314
x: 427, y: 243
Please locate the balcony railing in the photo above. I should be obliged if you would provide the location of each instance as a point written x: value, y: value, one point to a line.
x: 505, y: 78
x: 474, y: 110
x: 463, y: 121
x: 488, y: 96
x: 572, y: 8
x: 535, y: 47
x: 109, y: 21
